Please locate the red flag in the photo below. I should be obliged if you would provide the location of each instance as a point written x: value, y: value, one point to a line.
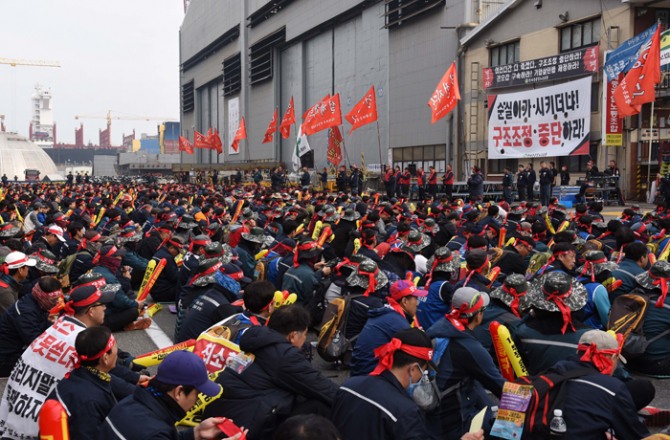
x: 326, y: 114
x: 364, y: 112
x: 637, y: 87
x: 201, y: 141
x: 287, y: 120
x: 240, y: 134
x: 215, y: 140
x: 446, y: 95
x: 270, y: 132
x: 334, y: 154
x: 185, y: 145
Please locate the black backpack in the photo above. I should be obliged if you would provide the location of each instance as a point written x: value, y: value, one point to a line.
x: 548, y: 394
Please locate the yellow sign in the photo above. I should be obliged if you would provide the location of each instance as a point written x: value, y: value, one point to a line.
x: 614, y: 140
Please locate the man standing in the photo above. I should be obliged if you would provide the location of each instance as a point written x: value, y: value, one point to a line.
x: 323, y: 176
x: 341, y: 179
x: 448, y: 181
x: 522, y: 183
x: 476, y: 184
x: 432, y: 182
x: 546, y: 179
x: 532, y: 178
x: 305, y: 179
x: 355, y: 180
x: 421, y: 183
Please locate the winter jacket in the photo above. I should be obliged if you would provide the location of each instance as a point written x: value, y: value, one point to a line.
x: 264, y: 394
x: 302, y: 281
x: 121, y: 299
x: 476, y: 281
x: 656, y: 321
x: 247, y: 260
x: 541, y: 343
x: 596, y: 403
x: 377, y: 408
x: 626, y: 272
x: 144, y: 416
x: 9, y: 292
x: 476, y: 185
x: 149, y: 245
x: 87, y: 399
x: 166, y: 287
x: 19, y: 326
x: 433, y: 307
x: 465, y: 369
x: 382, y: 324
x: 511, y: 262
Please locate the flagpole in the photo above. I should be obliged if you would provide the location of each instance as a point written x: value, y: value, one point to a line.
x: 651, y: 139
x: 345, y: 148
x: 379, y: 142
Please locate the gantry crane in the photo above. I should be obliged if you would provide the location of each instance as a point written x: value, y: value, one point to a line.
x: 109, y: 118
x: 37, y: 63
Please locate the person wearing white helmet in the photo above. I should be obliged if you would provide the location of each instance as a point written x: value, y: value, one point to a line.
x: 12, y: 273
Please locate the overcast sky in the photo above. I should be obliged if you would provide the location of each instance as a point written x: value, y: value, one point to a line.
x: 120, y: 55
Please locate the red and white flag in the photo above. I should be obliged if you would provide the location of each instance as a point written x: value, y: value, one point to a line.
x: 201, y: 141
x: 214, y: 140
x: 270, y: 132
x: 240, y: 134
x: 185, y: 145
x: 638, y: 86
x: 325, y: 114
x: 334, y: 154
x: 287, y: 120
x: 364, y: 112
x: 446, y: 95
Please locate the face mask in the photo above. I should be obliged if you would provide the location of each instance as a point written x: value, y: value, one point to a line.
x: 423, y: 393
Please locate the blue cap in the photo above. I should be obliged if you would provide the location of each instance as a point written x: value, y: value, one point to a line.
x: 186, y: 368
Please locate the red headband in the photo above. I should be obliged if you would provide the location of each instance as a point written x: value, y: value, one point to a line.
x: 662, y: 283
x: 557, y: 299
x: 459, y: 316
x: 386, y: 351
x: 301, y: 248
x: 514, y: 306
x: 70, y: 305
x: 209, y: 271
x: 436, y: 262
x: 110, y: 344
x: 111, y: 251
x: 601, y: 358
x: 199, y: 243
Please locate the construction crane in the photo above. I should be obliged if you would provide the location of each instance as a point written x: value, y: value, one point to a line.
x: 109, y: 118
x: 37, y: 63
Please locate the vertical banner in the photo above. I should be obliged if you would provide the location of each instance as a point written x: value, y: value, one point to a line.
x: 233, y: 123
x: 549, y: 121
x: 612, y: 124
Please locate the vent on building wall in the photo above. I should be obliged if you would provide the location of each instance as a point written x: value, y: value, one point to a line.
x: 261, y: 56
x: 228, y: 37
x: 398, y: 12
x: 187, y: 97
x: 267, y: 11
x: 232, y: 75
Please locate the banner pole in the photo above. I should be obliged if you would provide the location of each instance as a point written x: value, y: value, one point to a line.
x: 651, y: 139
x: 344, y: 147
x: 379, y: 143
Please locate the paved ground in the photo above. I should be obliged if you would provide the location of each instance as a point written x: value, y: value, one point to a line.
x: 160, y: 334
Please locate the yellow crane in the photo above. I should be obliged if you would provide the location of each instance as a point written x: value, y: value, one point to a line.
x: 37, y: 63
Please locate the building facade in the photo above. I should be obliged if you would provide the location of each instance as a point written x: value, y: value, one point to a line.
x: 246, y: 59
x: 42, y: 127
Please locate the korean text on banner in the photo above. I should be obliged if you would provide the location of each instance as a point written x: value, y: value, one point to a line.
x: 233, y: 123
x: 665, y: 48
x: 551, y: 121
x: 445, y: 96
x: 287, y: 120
x: 622, y: 58
x: 612, y: 123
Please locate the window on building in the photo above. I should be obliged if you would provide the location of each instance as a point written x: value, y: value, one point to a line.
x: 187, y: 97
x: 261, y: 56
x: 504, y: 54
x: 595, y: 96
x: 498, y: 166
x: 578, y: 35
x: 232, y: 75
x: 421, y: 157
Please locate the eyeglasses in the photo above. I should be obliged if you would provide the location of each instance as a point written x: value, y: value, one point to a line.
x: 96, y: 305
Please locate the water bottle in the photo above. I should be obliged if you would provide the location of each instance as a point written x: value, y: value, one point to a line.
x: 494, y: 416
x: 558, y: 428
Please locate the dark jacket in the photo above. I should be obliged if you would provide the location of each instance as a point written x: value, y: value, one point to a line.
x: 477, y: 281
x: 87, y: 399
x: 19, y: 326
x: 541, y: 343
x: 382, y: 324
x: 144, y: 416
x: 596, y: 403
x: 511, y: 262
x: 9, y: 292
x: 264, y: 394
x: 247, y: 259
x: 377, y: 408
x: 464, y: 370
x: 305, y: 179
x: 149, y: 245
x: 341, y: 239
x: 626, y: 272
x: 207, y: 310
x: 121, y: 299
x: 302, y: 281
x: 166, y: 287
x: 433, y: 307
x: 476, y: 185
x: 82, y: 263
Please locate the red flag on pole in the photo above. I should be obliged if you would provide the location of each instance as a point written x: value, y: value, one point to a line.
x: 637, y: 87
x: 215, y: 140
x: 185, y: 145
x: 334, y: 154
x: 240, y: 134
x: 326, y: 114
x: 287, y: 120
x: 364, y: 112
x: 270, y: 132
x: 201, y: 141
x: 446, y: 95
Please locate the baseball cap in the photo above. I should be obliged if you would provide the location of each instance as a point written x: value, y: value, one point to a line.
x: 17, y: 259
x: 57, y: 231
x: 186, y: 368
x: 469, y: 297
x: 403, y: 288
x: 84, y: 296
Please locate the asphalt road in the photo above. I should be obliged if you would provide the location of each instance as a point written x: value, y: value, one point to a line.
x: 162, y: 330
